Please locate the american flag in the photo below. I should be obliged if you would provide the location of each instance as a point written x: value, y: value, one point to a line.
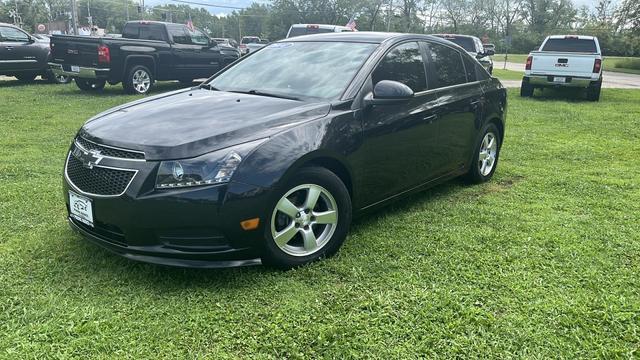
x: 190, y: 24
x: 351, y: 24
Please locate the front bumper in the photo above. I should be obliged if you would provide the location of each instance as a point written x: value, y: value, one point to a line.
x: 188, y: 227
x: 83, y: 72
x: 547, y: 81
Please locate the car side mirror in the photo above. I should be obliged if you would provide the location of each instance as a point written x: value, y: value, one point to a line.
x: 387, y: 92
x: 490, y: 52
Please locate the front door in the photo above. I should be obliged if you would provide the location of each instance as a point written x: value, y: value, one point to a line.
x: 19, y: 52
x: 399, y: 139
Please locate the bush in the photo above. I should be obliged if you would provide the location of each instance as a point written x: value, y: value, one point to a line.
x: 628, y: 64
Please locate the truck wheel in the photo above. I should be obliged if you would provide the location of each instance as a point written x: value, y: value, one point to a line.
x: 593, y: 91
x: 26, y: 77
x: 526, y: 90
x: 90, y: 85
x: 57, y: 79
x: 138, y: 80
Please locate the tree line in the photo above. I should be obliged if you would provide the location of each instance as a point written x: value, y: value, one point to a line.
x: 516, y: 25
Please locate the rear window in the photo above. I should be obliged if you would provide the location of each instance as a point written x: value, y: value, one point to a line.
x: 143, y: 31
x: 570, y: 45
x: 464, y: 42
x: 250, y: 41
x: 299, y: 31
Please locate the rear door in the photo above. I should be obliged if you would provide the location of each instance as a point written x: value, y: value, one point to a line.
x: 18, y: 52
x: 460, y: 99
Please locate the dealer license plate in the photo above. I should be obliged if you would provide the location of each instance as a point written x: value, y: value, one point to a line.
x: 75, y: 69
x: 559, y: 79
x: 81, y: 208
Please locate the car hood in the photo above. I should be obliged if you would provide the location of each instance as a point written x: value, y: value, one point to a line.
x: 192, y: 122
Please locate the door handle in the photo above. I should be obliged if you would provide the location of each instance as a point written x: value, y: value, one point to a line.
x: 9, y: 47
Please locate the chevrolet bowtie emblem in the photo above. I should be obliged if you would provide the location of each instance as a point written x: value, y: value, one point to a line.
x: 87, y: 158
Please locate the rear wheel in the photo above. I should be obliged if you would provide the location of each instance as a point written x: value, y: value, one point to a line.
x: 26, y: 77
x: 90, y: 85
x: 486, y: 155
x: 309, y: 219
x: 57, y: 79
x: 593, y: 91
x: 526, y: 89
x: 138, y: 80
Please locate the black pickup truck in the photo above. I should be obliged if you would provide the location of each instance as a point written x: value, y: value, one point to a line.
x: 146, y: 52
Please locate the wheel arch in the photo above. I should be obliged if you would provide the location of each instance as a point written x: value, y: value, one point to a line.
x: 145, y: 60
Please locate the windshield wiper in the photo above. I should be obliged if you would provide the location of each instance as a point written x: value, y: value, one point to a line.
x: 209, y: 87
x: 264, y: 93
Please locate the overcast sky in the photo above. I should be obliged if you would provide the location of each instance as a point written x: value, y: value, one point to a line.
x: 246, y: 3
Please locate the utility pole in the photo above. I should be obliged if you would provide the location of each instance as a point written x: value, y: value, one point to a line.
x: 389, y: 16
x: 89, y: 18
x: 142, y: 9
x: 74, y: 17
x: 126, y: 9
x: 239, y: 29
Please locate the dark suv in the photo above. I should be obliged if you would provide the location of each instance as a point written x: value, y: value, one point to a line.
x: 24, y: 56
x: 270, y: 158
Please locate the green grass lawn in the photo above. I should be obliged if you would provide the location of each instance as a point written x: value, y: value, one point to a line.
x: 507, y: 74
x: 541, y: 262
x: 609, y: 62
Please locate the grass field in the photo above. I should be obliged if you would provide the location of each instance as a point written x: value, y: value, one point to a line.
x: 609, y: 62
x: 507, y: 74
x: 541, y: 262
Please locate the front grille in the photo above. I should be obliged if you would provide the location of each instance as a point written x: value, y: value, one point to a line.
x: 109, y: 151
x: 98, y: 180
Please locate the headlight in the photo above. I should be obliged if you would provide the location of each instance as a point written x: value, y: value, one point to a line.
x: 213, y: 168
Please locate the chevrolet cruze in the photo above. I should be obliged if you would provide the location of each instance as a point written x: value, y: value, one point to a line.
x: 269, y: 160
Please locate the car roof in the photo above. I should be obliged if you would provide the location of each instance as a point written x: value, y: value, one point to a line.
x: 321, y: 26
x: 360, y: 36
x: 9, y: 25
x: 581, y: 37
x: 455, y: 36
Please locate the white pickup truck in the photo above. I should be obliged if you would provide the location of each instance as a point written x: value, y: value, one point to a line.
x: 565, y: 61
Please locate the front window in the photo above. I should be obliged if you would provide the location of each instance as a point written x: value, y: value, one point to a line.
x: 403, y: 64
x: 198, y: 38
x: 297, y: 69
x: 13, y: 35
x: 447, y: 64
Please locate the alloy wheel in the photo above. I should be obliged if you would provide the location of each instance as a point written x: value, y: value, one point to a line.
x: 488, y: 153
x: 141, y: 81
x: 304, y: 220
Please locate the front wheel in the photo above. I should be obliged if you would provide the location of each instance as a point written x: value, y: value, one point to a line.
x: 309, y: 219
x: 57, y: 79
x: 485, y: 158
x: 90, y: 85
x: 138, y: 80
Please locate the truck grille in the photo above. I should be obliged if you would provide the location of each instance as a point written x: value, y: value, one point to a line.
x: 109, y: 151
x: 98, y: 180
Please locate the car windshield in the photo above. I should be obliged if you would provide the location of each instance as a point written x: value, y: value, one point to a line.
x: 464, y: 42
x: 297, y: 69
x: 250, y: 40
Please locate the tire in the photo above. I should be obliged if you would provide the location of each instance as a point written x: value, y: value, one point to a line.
x: 26, y: 77
x: 485, y: 154
x: 57, y: 79
x: 491, y: 70
x: 138, y: 80
x: 526, y: 90
x: 301, y: 237
x: 90, y: 85
x: 593, y: 91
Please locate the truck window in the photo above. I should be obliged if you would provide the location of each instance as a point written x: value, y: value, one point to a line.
x: 570, y: 45
x: 12, y: 35
x: 307, y: 30
x: 198, y: 38
x: 403, y: 64
x: 179, y: 34
x: 151, y: 32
